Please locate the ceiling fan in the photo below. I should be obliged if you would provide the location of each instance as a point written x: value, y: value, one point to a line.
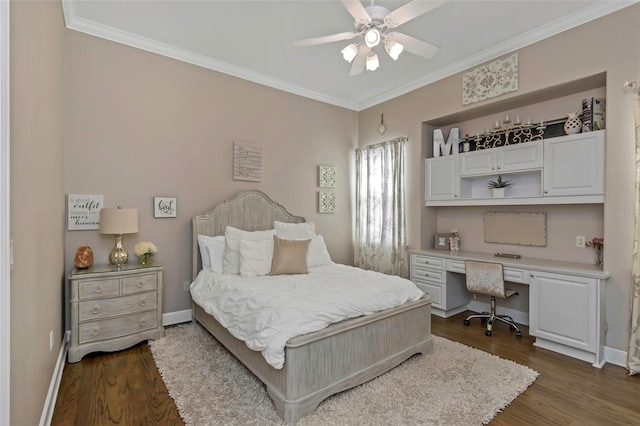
x: 373, y: 25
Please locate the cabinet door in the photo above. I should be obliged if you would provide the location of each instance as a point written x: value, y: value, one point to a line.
x: 522, y: 156
x: 481, y: 162
x: 574, y: 165
x: 563, y: 309
x: 442, y: 181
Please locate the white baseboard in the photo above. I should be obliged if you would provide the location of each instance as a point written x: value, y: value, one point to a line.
x: 54, y: 386
x: 615, y: 356
x: 177, y: 317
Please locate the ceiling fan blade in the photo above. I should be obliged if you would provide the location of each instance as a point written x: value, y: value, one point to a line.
x: 324, y: 39
x: 411, y: 10
x: 415, y: 46
x: 359, y: 61
x: 357, y: 10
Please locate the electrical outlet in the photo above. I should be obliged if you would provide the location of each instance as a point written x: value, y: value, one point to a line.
x: 580, y: 241
x: 185, y: 285
x: 50, y: 340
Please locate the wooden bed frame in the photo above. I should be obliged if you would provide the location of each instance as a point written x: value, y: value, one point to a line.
x: 320, y: 364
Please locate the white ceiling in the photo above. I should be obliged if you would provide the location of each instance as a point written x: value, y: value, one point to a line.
x: 251, y: 39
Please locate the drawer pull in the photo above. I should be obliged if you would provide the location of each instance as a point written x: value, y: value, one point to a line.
x: 98, y: 289
x: 143, y: 303
x: 143, y: 322
x: 96, y: 331
x: 96, y: 309
x: 140, y: 284
x: 426, y: 262
x: 426, y: 275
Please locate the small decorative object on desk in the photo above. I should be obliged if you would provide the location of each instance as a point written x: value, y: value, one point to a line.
x: 573, y: 124
x: 145, y: 250
x: 597, y: 244
x: 454, y: 240
x: 84, y: 257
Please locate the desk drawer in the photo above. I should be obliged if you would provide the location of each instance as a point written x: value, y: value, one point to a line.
x: 428, y: 261
x: 426, y: 274
x: 436, y: 293
x: 455, y: 266
x: 516, y: 275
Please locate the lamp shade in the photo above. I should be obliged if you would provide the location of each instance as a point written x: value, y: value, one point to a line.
x: 118, y: 221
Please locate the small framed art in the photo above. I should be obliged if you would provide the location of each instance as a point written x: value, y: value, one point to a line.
x: 441, y: 242
x: 326, y: 202
x: 327, y: 176
x: 165, y: 207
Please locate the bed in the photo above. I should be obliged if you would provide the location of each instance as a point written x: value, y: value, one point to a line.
x: 322, y: 363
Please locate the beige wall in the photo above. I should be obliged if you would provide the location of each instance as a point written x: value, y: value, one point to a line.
x: 141, y: 125
x: 37, y: 202
x: 606, y: 45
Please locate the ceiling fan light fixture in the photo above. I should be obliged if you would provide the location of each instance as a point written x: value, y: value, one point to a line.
x: 349, y: 52
x: 372, y: 63
x: 372, y: 37
x: 394, y: 49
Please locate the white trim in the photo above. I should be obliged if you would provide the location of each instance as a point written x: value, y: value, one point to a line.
x: 54, y: 385
x: 615, y: 356
x: 177, y: 317
x: 585, y: 15
x: 5, y: 230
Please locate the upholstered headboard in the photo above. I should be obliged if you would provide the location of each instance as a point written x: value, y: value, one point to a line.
x: 249, y: 210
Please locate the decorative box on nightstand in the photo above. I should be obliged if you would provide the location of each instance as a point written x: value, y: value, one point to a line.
x: 113, y: 309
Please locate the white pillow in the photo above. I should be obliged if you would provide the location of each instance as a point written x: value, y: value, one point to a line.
x: 294, y: 231
x: 233, y: 236
x: 216, y: 244
x: 318, y: 254
x: 255, y: 257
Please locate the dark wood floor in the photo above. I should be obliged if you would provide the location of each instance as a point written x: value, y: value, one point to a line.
x: 125, y: 388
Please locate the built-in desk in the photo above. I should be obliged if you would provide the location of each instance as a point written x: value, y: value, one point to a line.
x: 566, y: 299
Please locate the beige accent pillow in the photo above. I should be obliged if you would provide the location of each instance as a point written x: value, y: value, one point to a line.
x: 289, y: 256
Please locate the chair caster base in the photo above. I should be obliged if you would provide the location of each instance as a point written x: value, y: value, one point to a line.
x: 487, y: 333
x: 466, y: 322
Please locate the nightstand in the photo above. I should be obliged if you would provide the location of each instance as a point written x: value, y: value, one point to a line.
x: 113, y: 309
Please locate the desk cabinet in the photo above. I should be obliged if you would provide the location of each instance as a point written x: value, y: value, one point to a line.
x: 564, y: 309
x: 429, y: 273
x: 442, y: 181
x: 114, y: 309
x: 509, y: 158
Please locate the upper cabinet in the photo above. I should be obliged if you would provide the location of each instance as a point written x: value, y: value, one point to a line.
x: 508, y: 158
x: 574, y: 165
x: 562, y: 170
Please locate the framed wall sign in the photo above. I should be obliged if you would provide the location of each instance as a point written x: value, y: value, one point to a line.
x: 83, y: 211
x: 165, y: 207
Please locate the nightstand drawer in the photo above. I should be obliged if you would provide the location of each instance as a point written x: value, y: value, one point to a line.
x: 104, y: 308
x: 99, y: 288
x: 427, y: 261
x: 116, y: 327
x: 139, y: 283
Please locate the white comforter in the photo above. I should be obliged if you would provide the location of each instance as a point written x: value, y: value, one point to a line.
x: 267, y: 311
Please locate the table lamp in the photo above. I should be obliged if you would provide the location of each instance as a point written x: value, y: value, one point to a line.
x: 118, y: 221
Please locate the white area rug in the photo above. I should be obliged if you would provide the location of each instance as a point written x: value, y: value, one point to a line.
x: 453, y: 385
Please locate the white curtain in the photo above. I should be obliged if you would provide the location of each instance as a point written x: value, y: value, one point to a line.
x: 633, y: 361
x: 380, y: 210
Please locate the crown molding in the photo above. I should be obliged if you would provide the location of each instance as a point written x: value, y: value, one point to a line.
x: 552, y: 28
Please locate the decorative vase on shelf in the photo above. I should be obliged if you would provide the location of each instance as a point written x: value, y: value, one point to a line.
x: 598, y: 256
x: 498, y: 192
x: 573, y: 124
x: 145, y: 259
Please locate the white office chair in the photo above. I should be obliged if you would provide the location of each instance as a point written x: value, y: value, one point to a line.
x: 488, y: 278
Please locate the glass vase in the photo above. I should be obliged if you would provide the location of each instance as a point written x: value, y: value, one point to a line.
x: 598, y: 256
x: 145, y: 259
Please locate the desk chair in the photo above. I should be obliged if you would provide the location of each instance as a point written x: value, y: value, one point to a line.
x: 488, y: 278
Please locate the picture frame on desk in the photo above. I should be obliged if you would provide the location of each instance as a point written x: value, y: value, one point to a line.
x: 441, y: 241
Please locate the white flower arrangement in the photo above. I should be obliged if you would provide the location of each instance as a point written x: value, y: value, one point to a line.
x: 145, y: 248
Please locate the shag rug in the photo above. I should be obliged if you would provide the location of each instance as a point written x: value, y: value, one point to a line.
x: 453, y: 385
